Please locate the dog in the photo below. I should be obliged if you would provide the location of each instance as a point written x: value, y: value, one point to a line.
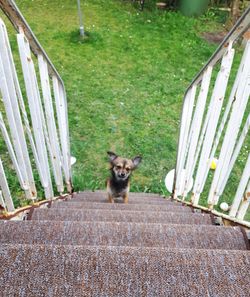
x: 121, y: 168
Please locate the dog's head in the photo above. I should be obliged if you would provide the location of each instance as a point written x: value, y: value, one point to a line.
x: 123, y: 167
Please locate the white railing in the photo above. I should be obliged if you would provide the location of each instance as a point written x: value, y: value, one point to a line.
x: 214, y: 128
x: 31, y: 127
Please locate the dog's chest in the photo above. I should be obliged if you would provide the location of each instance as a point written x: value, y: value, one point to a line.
x: 118, y: 189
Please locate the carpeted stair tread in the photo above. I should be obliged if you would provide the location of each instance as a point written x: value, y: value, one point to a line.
x: 131, y: 194
x: 136, y: 194
x: 40, y: 270
x: 134, y: 198
x: 122, y: 234
x: 64, y: 214
x: 121, y: 206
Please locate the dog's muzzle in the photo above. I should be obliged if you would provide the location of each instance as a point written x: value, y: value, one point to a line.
x: 122, y: 175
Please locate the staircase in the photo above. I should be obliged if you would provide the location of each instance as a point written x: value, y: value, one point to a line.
x: 84, y: 246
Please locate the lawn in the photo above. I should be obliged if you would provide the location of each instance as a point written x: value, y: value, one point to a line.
x: 125, y: 82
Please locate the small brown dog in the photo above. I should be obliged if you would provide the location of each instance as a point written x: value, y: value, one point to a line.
x: 121, y: 169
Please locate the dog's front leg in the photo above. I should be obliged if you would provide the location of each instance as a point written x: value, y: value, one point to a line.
x: 110, y: 198
x: 125, y: 198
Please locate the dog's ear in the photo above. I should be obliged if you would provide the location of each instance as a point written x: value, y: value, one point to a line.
x: 112, y: 156
x: 136, y: 161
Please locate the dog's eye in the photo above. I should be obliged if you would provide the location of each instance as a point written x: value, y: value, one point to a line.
x: 127, y: 168
x: 118, y: 167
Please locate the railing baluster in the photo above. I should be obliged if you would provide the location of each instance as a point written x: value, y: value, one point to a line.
x: 196, y: 127
x: 229, y: 104
x: 47, y: 145
x: 180, y: 144
x: 241, y: 189
x: 244, y: 204
x: 63, y: 130
x: 36, y: 112
x: 2, y: 202
x: 52, y: 132
x: 8, y: 90
x: 12, y: 154
x: 24, y: 114
x: 235, y: 154
x: 216, y: 131
x: 217, y: 99
x: 14, y: 120
x: 185, y: 127
x: 5, y: 189
x: 67, y: 139
x: 241, y: 99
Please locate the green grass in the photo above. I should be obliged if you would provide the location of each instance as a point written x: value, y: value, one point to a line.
x: 125, y: 81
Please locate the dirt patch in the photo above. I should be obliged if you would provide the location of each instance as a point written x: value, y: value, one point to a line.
x: 214, y: 37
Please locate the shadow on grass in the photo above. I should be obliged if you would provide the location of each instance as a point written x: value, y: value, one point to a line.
x: 88, y: 38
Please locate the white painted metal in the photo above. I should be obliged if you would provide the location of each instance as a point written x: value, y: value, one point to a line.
x: 2, y: 202
x: 36, y: 112
x: 8, y: 91
x: 195, y: 129
x: 67, y: 140
x: 241, y: 189
x: 52, y: 132
x: 42, y: 134
x: 63, y: 129
x: 217, y: 101
x: 199, y: 142
x: 25, y: 118
x: 12, y: 153
x: 176, y: 185
x: 244, y: 204
x: 235, y: 155
x: 5, y: 189
x: 185, y: 127
x: 241, y: 99
x: 24, y: 114
x: 229, y: 104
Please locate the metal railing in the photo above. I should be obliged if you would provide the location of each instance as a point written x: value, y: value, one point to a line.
x: 34, y: 126
x: 214, y: 127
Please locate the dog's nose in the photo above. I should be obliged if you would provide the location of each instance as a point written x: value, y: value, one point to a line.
x: 122, y: 174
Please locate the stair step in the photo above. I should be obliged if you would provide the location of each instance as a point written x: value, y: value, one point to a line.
x: 134, y: 198
x: 133, y: 194
x: 64, y: 214
x: 122, y: 234
x: 121, y: 206
x: 45, y: 270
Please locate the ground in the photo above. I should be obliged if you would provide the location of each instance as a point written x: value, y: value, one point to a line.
x: 125, y: 81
